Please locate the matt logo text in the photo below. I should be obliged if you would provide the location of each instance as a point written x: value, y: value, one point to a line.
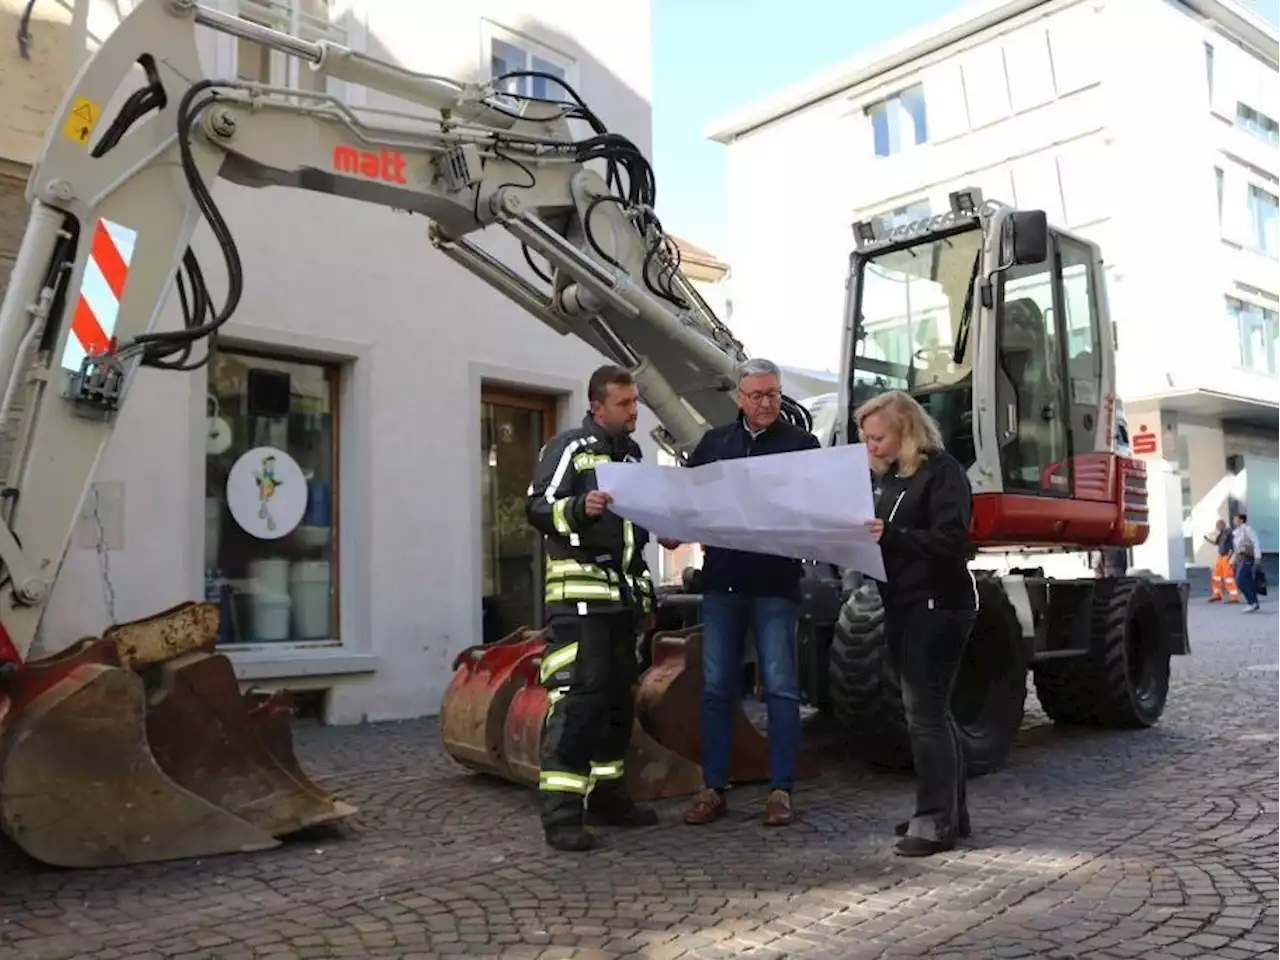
x: 385, y: 165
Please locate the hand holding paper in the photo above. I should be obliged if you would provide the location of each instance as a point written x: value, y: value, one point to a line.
x: 810, y: 504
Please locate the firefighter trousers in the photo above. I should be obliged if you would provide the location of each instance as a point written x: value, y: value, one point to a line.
x: 589, y: 670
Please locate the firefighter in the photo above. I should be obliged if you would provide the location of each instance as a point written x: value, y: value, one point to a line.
x: 598, y: 588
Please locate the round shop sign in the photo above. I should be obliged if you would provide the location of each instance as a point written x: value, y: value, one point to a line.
x: 267, y: 493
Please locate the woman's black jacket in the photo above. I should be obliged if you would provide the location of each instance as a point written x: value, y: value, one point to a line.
x: 925, y: 543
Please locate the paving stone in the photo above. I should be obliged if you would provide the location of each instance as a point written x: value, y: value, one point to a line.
x: 1117, y: 845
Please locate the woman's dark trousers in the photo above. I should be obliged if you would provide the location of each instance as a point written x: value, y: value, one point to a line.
x: 925, y: 647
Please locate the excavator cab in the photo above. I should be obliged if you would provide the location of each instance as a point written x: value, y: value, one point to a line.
x: 998, y: 325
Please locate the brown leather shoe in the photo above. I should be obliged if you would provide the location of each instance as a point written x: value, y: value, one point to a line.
x: 707, y: 806
x: 777, y: 810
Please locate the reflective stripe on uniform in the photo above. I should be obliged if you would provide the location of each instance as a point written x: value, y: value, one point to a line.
x: 554, y: 696
x: 612, y: 770
x: 560, y: 515
x: 557, y: 660
x: 560, y: 782
x: 589, y: 461
x: 570, y: 590
x: 576, y: 570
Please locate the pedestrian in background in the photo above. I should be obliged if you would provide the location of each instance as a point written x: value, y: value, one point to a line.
x: 930, y: 602
x: 1245, y: 552
x: 741, y: 590
x: 1223, y: 576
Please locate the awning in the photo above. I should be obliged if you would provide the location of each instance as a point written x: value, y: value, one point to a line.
x: 1211, y: 405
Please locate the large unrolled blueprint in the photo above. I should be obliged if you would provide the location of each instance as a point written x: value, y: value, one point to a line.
x: 811, y: 504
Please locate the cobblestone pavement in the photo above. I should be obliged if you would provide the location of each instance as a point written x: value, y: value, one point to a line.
x: 1159, y: 843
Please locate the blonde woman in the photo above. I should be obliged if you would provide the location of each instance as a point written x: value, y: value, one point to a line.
x: 930, y: 602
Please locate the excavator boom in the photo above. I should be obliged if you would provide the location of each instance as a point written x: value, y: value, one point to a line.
x: 122, y: 182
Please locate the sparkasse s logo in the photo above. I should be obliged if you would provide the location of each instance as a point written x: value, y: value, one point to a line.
x: 385, y: 165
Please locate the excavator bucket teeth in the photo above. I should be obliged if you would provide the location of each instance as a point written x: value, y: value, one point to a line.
x: 477, y: 701
x: 272, y: 719
x: 79, y: 786
x: 202, y: 737
x: 668, y: 706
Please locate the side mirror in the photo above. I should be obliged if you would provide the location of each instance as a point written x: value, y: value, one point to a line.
x: 1028, y: 237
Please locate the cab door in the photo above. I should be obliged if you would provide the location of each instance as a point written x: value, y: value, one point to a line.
x: 1035, y: 454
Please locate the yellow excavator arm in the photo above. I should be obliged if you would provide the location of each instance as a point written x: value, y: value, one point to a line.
x: 138, y: 745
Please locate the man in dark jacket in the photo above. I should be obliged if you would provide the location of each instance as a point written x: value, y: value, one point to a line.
x: 597, y: 586
x: 741, y: 590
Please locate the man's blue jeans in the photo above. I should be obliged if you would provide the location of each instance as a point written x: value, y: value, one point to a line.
x: 726, y: 618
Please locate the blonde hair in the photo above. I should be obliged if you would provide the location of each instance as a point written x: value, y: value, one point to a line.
x: 917, y: 432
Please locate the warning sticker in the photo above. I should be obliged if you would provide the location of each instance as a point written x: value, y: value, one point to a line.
x: 84, y: 114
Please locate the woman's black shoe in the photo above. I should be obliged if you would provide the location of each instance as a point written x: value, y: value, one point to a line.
x: 900, y: 829
x: 920, y: 847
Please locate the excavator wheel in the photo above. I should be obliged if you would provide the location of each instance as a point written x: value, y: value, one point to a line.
x: 1124, y: 680
x: 989, y: 697
x: 865, y: 697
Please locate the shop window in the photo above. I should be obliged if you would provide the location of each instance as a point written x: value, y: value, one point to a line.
x: 513, y: 428
x: 271, y: 487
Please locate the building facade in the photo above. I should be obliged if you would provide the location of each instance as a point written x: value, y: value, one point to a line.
x: 408, y: 398
x: 1164, y: 151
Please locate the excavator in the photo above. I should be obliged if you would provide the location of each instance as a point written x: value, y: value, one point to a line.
x: 140, y: 746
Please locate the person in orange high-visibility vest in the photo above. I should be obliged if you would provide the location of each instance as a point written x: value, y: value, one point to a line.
x: 1223, y: 574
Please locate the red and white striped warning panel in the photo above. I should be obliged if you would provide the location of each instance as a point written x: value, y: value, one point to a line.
x: 101, y: 290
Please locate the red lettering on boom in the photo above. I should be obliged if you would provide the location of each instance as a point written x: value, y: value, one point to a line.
x: 387, y: 165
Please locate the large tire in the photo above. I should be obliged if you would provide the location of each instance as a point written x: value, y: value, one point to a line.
x: 990, y: 691
x: 866, y: 702
x: 1124, y: 680
x: 990, y: 695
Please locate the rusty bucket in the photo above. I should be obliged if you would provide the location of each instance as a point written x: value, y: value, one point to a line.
x: 486, y: 678
x: 138, y: 747
x: 669, y: 707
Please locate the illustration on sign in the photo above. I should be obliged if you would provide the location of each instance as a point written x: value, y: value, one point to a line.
x: 267, y: 493
x: 1144, y: 441
x: 80, y: 121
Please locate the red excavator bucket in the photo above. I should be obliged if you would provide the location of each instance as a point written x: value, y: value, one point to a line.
x: 492, y: 716
x: 138, y: 747
x: 474, y: 707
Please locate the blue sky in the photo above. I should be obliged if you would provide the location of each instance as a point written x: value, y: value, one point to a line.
x: 711, y: 56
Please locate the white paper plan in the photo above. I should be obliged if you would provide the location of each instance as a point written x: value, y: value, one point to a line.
x: 811, y: 504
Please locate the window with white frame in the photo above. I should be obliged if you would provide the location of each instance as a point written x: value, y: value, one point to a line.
x: 1256, y: 327
x: 1264, y: 218
x: 309, y: 19
x: 509, y: 52
x: 899, y: 122
x: 1258, y: 124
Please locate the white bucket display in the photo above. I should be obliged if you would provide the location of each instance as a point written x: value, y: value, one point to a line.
x: 269, y: 576
x: 269, y: 613
x: 309, y: 588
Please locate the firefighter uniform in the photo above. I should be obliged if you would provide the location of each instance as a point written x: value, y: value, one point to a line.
x: 597, y: 587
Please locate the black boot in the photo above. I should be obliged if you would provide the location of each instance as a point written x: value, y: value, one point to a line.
x: 563, y: 823
x: 570, y: 838
x: 619, y: 811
